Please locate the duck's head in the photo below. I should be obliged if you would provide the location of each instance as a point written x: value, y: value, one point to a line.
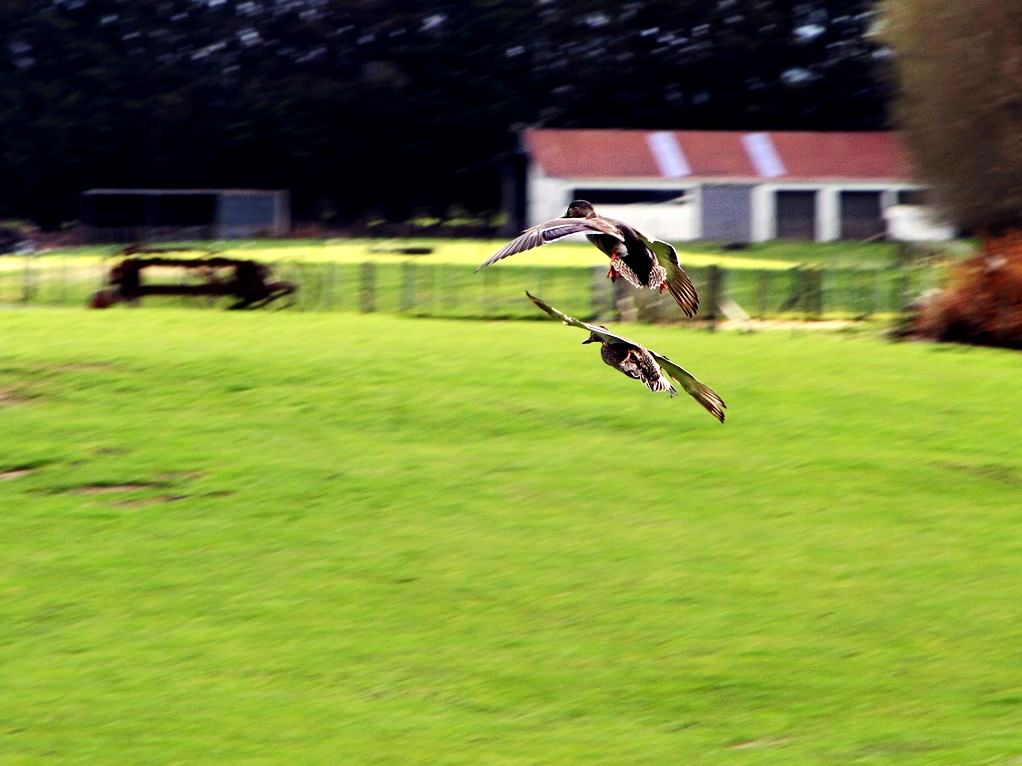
x: 580, y: 209
x: 593, y: 338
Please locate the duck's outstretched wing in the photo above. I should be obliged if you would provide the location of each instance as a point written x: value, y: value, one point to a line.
x: 678, y: 281
x: 548, y: 231
x: 702, y: 393
x: 603, y: 332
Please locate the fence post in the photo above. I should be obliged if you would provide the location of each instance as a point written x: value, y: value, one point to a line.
x: 817, y: 282
x: 430, y: 301
x: 762, y: 293
x: 714, y: 294
x: 407, y: 286
x: 599, y: 294
x: 451, y: 281
x: 818, y: 294
x: 812, y: 292
x: 878, y: 287
x: 367, y: 289
x: 899, y: 289
x: 329, y: 285
x: 868, y: 279
x: 26, y: 282
x: 491, y: 283
x: 304, y: 297
x: 626, y: 309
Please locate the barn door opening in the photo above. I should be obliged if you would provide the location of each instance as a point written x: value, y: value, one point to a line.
x: 861, y: 215
x: 796, y: 215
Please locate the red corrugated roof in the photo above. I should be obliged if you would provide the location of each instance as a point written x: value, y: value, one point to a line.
x: 592, y: 153
x: 805, y: 156
x: 842, y: 155
x: 715, y: 153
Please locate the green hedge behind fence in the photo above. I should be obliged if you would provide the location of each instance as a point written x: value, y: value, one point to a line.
x: 498, y: 292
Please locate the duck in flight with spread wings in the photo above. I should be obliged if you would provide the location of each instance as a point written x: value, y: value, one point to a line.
x: 642, y: 260
x: 635, y: 361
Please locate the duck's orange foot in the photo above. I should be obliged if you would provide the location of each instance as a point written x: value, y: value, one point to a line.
x: 663, y: 286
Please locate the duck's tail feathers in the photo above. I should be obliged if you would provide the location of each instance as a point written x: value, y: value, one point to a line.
x: 709, y: 400
x: 706, y: 396
x: 682, y: 290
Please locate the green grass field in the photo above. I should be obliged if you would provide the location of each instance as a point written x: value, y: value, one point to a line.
x: 277, y: 538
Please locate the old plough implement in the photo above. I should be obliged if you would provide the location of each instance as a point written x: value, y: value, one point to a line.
x: 250, y: 282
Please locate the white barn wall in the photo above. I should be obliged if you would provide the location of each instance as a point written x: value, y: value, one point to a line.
x: 764, y: 218
x: 548, y: 197
x: 665, y: 221
x: 828, y: 213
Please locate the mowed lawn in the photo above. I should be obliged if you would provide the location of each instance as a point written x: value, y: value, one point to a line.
x: 276, y: 538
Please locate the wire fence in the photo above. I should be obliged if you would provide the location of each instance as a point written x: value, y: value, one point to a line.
x: 455, y: 291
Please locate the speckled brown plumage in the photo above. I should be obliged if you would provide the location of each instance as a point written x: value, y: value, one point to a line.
x: 641, y: 260
x: 635, y: 362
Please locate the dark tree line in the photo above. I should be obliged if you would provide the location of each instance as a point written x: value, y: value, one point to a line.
x: 393, y: 107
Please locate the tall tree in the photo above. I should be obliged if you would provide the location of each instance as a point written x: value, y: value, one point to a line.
x: 960, y: 70
x: 960, y: 104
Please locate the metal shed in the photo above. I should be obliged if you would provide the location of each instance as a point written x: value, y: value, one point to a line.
x: 137, y: 215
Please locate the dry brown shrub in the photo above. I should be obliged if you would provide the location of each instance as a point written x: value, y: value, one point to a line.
x: 982, y: 303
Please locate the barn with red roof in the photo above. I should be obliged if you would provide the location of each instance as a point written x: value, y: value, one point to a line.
x: 729, y: 186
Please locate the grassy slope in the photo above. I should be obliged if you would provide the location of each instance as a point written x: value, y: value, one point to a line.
x: 364, y: 539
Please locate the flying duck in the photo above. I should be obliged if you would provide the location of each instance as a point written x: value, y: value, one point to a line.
x: 640, y: 363
x: 642, y: 260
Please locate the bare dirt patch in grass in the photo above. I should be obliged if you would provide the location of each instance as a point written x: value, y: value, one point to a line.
x: 755, y: 744
x: 145, y: 502
x: 166, y: 481
x: 14, y: 473
x: 9, y: 397
x: 83, y: 367
x: 110, y: 451
x: 1005, y: 474
x: 174, y: 476
x: 163, y: 481
x: 102, y: 489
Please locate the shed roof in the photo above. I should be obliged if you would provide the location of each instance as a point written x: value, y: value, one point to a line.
x: 792, y: 156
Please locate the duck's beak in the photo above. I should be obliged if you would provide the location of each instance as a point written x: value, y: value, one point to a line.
x: 590, y: 339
